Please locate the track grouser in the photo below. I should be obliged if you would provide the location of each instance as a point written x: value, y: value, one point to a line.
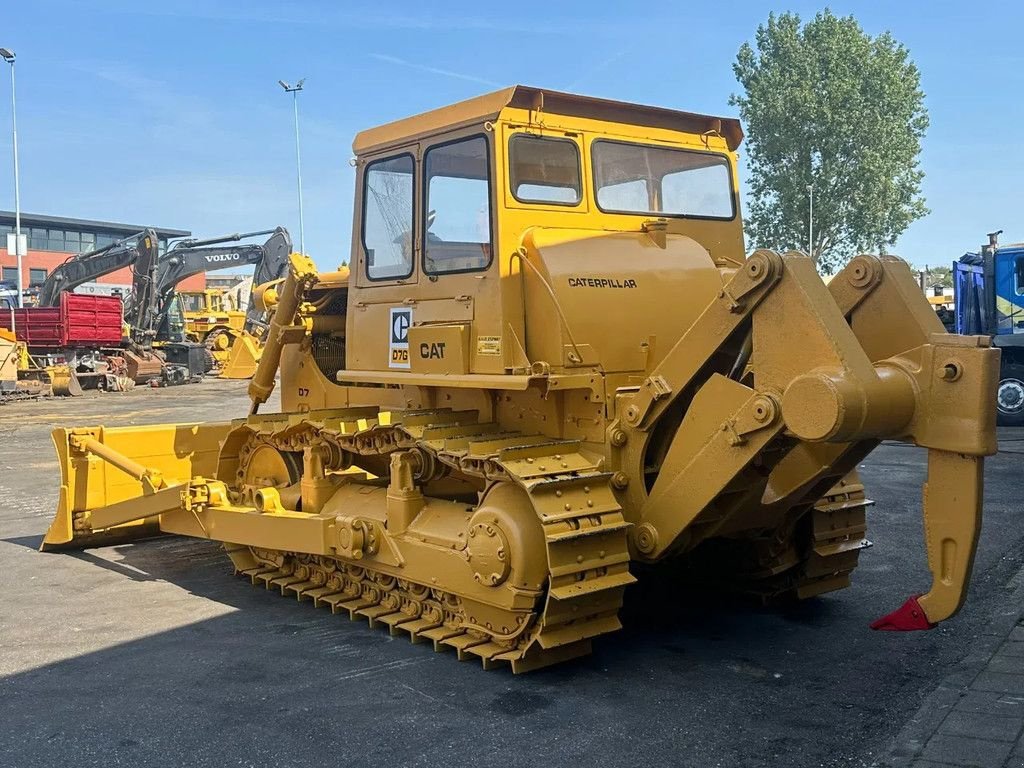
x: 549, y: 360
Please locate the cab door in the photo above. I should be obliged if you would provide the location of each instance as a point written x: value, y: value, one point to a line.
x: 388, y: 246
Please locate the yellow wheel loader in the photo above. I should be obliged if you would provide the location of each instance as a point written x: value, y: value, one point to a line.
x: 550, y: 360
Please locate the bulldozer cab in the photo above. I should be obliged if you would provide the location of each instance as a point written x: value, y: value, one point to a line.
x: 207, y: 300
x: 487, y: 233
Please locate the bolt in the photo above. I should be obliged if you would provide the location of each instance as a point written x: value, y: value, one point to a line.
x: 949, y: 372
x: 619, y: 437
x: 620, y: 480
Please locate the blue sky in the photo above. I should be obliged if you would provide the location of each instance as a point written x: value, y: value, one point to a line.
x: 170, y: 114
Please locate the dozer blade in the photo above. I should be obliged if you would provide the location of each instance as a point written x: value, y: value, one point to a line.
x: 115, y: 482
x: 243, y: 358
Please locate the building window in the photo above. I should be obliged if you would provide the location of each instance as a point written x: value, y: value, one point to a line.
x: 36, y: 277
x: 457, y: 211
x: 10, y: 276
x: 103, y: 239
x: 387, y: 218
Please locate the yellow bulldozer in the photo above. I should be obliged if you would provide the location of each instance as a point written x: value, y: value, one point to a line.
x: 212, y: 317
x: 550, y: 362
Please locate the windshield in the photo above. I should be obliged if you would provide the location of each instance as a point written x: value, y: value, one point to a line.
x: 174, y: 321
x: 190, y: 302
x: 639, y: 178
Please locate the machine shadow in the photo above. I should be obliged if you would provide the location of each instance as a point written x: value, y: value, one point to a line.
x: 657, y: 611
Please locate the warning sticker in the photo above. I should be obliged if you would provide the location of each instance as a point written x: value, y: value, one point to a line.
x: 488, y: 345
x: 398, y: 348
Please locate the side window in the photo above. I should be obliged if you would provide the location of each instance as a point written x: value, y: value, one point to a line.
x: 1019, y: 275
x: 457, y: 224
x: 387, y: 218
x: 544, y: 170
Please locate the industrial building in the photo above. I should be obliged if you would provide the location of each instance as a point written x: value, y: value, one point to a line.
x: 54, y: 239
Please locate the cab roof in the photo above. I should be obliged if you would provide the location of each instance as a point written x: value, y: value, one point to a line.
x: 490, y: 105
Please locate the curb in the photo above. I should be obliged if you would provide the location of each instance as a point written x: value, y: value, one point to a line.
x: 907, y: 746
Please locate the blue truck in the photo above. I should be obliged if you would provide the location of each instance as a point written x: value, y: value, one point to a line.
x: 989, y: 295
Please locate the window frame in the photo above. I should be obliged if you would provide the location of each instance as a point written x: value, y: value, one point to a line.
x: 425, y: 201
x: 662, y: 214
x: 412, y: 218
x: 579, y: 168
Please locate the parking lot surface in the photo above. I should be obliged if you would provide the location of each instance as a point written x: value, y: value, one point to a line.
x: 153, y: 654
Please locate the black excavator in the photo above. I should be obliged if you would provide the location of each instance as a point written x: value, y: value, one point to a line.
x: 155, y: 307
x: 138, y: 251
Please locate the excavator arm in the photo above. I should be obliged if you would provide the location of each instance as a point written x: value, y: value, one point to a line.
x: 93, y: 265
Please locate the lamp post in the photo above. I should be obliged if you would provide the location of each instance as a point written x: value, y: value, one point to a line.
x: 810, y: 221
x: 8, y: 55
x: 294, y: 91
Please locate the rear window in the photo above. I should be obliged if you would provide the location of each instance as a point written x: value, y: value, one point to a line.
x: 544, y: 170
x: 644, y: 179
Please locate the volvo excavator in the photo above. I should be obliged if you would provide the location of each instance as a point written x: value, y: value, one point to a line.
x: 549, y: 369
x: 161, y: 317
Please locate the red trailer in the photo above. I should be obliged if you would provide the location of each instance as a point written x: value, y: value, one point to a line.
x: 78, y: 322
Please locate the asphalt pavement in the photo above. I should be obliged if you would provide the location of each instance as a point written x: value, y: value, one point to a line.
x: 153, y: 654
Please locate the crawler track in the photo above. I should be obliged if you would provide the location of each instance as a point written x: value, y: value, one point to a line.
x: 583, y: 526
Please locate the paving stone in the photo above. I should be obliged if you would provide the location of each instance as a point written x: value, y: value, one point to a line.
x: 1011, y: 648
x: 1007, y: 664
x: 963, y: 751
x: 982, y: 726
x: 977, y: 753
x: 1000, y: 683
x: 987, y: 702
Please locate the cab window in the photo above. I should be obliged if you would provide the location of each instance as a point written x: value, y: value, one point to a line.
x: 388, y: 218
x: 645, y: 179
x: 457, y: 224
x: 544, y: 170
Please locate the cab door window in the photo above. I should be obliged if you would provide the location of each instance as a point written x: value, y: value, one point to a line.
x: 457, y: 224
x: 388, y: 218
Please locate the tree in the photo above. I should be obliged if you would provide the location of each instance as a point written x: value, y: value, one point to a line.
x: 826, y: 105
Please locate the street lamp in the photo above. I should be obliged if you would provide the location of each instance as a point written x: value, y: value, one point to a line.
x: 810, y: 222
x: 8, y: 55
x: 294, y: 91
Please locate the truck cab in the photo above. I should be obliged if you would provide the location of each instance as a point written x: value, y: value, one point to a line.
x: 989, y: 289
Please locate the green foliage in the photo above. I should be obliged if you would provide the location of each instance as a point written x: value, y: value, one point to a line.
x: 827, y: 105
x: 938, y: 276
